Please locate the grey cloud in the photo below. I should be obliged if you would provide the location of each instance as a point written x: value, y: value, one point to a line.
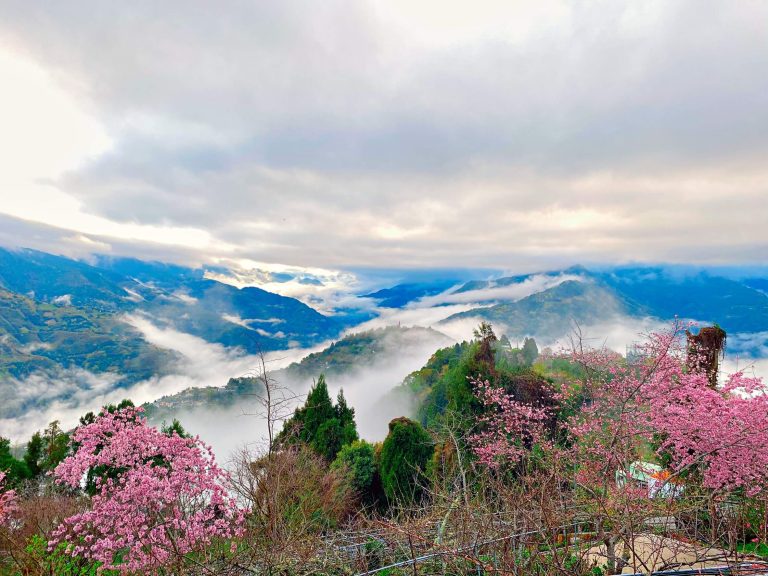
x: 283, y: 126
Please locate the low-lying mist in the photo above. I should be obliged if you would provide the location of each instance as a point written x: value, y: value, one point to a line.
x: 201, y: 364
x: 366, y: 388
x: 74, y: 392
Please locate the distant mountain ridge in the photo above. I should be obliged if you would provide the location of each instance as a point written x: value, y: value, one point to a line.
x: 64, y: 319
x: 549, y: 313
x: 63, y: 328
x: 600, y: 296
x: 401, y: 294
x: 178, y: 297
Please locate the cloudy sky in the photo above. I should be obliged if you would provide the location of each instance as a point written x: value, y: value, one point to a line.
x: 390, y: 133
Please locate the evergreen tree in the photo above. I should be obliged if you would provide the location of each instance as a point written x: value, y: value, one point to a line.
x: 328, y: 441
x: 403, y: 461
x: 317, y: 410
x: 359, y: 460
x: 346, y: 417
x: 56, y: 443
x: 174, y: 427
x: 320, y: 424
x: 16, y: 470
x: 485, y: 336
x: 530, y: 351
x: 34, y: 455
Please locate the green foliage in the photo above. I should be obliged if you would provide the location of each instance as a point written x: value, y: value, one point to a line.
x: 530, y: 351
x: 17, y: 470
x: 174, y: 427
x: 756, y: 548
x: 45, y: 337
x: 316, y: 411
x: 359, y: 460
x: 403, y: 461
x: 451, y: 389
x: 58, y: 562
x: 320, y: 424
x: 444, y: 383
x: 56, y: 443
x: 34, y: 454
x: 45, y: 451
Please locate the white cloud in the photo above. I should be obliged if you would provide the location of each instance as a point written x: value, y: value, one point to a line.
x: 365, y: 388
x: 133, y: 296
x: 617, y: 334
x: 519, y: 290
x: 186, y: 298
x: 63, y: 300
x: 323, y: 289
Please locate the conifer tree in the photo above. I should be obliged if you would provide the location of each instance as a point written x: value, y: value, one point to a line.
x: 317, y: 410
x: 346, y: 416
x: 530, y: 351
x: 320, y: 424
x: 16, y: 470
x: 403, y: 461
x: 34, y: 454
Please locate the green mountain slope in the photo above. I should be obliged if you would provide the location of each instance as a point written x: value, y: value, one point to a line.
x: 63, y: 331
x: 176, y: 297
x: 57, y: 342
x: 549, y: 313
x: 655, y: 291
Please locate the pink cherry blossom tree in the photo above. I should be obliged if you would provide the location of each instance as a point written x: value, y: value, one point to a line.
x: 164, y: 499
x: 508, y: 427
x: 624, y: 410
x: 7, y: 501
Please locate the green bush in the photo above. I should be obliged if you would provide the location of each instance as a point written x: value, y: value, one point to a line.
x: 359, y: 460
x: 58, y: 562
x: 403, y: 461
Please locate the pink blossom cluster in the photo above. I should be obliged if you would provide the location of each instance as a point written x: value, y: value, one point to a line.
x: 723, y: 432
x: 7, y: 501
x: 167, y: 497
x: 611, y: 423
x: 509, y: 428
x: 624, y: 406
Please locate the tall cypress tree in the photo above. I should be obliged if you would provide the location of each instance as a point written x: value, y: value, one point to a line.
x: 316, y: 411
x: 320, y: 424
x: 403, y: 461
x: 34, y: 454
x: 346, y: 417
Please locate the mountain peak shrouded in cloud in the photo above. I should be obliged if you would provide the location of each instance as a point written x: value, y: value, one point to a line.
x: 388, y: 134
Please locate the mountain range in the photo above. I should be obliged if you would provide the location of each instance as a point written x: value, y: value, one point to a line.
x: 596, y: 296
x: 81, y: 321
x: 65, y: 318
